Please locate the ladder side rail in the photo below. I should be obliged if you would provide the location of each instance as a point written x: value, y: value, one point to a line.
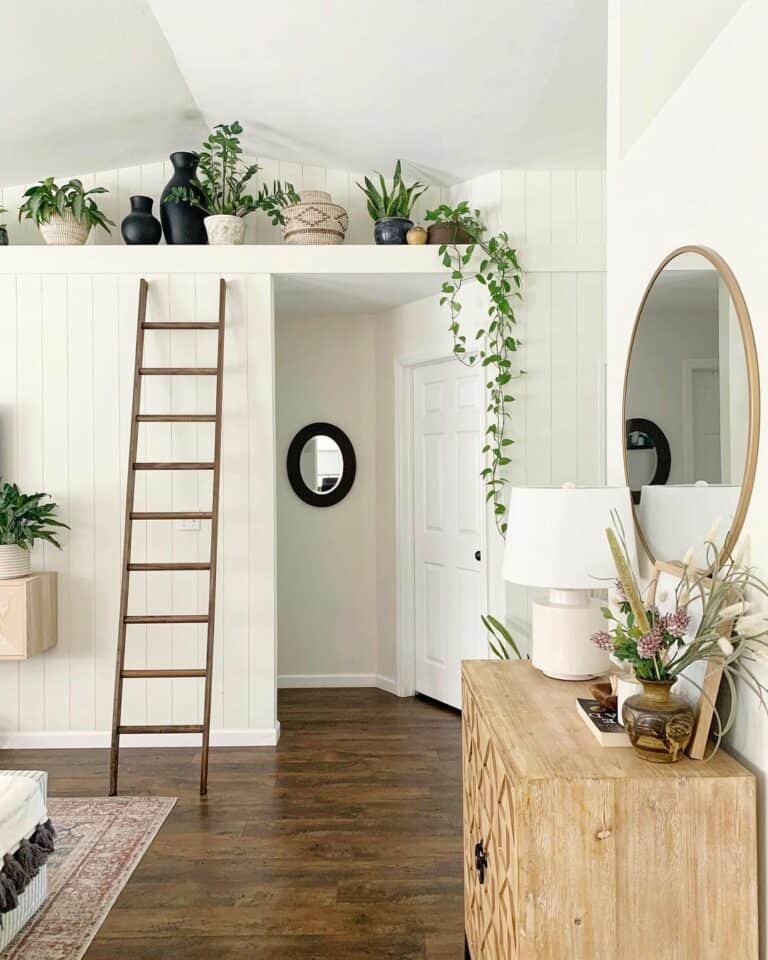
x: 127, y: 539
x: 214, y: 543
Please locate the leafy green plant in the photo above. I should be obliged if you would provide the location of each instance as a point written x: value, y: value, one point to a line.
x: 24, y: 518
x: 47, y: 199
x: 495, y: 343
x: 223, y: 175
x: 396, y: 202
x: 500, y: 640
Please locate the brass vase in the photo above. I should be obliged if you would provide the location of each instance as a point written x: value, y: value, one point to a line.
x: 658, y: 723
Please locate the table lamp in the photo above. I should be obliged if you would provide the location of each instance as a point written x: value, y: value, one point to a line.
x: 556, y: 539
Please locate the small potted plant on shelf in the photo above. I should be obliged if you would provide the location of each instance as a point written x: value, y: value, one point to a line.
x: 219, y: 189
x: 391, y: 209
x: 660, y: 647
x: 64, y: 214
x: 24, y: 518
x: 3, y: 230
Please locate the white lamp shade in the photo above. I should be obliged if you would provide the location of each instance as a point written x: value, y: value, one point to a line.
x: 556, y: 536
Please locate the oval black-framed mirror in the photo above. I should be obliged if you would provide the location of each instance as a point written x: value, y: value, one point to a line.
x: 692, y: 370
x: 321, y: 464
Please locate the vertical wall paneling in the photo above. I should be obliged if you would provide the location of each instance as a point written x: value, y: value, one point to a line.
x: 55, y: 481
x: 538, y: 385
x: 81, y: 502
x: 65, y: 397
x: 538, y: 207
x: 9, y: 672
x: 590, y: 365
x: 29, y: 468
x: 564, y: 373
x: 108, y: 490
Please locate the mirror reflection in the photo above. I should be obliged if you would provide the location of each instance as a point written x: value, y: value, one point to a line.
x: 321, y: 464
x: 687, y: 408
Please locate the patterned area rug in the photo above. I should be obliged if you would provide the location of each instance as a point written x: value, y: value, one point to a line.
x: 99, y: 843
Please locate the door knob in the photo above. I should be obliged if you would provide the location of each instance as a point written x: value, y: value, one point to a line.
x: 477, y: 554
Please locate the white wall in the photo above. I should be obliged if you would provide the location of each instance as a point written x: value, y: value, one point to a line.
x: 689, y: 179
x: 325, y: 370
x: 67, y: 344
x: 150, y: 178
x: 555, y: 218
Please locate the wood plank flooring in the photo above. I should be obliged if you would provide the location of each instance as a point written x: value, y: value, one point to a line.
x: 343, y: 843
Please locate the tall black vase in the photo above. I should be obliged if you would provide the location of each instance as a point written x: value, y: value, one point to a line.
x: 182, y: 223
x: 140, y: 226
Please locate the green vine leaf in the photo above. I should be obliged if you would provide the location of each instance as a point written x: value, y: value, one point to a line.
x: 499, y: 272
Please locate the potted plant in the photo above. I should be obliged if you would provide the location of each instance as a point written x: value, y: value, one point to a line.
x: 64, y: 214
x: 219, y: 188
x: 24, y: 518
x: 3, y: 230
x: 447, y: 225
x: 391, y: 209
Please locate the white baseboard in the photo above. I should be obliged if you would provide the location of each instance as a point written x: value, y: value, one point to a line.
x: 289, y: 681
x: 387, y: 684
x: 99, y: 739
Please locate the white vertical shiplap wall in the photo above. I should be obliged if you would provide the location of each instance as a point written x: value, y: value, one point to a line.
x: 150, y: 178
x: 65, y: 396
x: 556, y: 221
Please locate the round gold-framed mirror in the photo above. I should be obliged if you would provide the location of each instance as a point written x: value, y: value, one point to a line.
x: 691, y: 407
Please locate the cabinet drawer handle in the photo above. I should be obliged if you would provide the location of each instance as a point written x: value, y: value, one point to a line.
x: 481, y: 860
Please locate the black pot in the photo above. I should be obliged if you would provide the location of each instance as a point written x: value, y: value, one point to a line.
x: 140, y: 226
x: 3, y: 236
x: 391, y: 230
x: 182, y: 223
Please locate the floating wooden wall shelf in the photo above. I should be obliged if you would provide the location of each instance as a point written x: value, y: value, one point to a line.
x: 28, y: 616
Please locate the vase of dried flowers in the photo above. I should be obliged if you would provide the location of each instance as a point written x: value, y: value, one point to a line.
x: 656, y: 648
x: 658, y: 723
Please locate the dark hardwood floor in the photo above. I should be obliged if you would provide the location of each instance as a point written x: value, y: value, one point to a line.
x: 341, y: 844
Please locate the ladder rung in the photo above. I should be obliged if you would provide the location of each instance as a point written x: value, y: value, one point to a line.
x: 148, y: 567
x: 163, y: 728
x: 169, y: 618
x: 180, y: 326
x: 176, y: 418
x: 158, y: 674
x: 178, y: 371
x: 173, y: 466
x: 170, y: 515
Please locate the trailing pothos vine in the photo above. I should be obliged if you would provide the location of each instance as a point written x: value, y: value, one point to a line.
x: 495, y: 343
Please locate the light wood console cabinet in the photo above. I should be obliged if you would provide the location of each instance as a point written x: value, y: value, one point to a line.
x: 573, y: 851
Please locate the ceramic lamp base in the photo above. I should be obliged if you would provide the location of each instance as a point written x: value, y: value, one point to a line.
x: 560, y: 636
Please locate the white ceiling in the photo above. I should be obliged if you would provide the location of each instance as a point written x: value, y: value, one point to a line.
x: 455, y: 88
x: 452, y: 88
x: 90, y: 85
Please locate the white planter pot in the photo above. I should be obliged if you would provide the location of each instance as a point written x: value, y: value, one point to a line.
x: 64, y: 230
x: 224, y: 228
x: 14, y: 562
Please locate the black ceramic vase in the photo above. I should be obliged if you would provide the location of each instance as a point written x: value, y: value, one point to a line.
x: 391, y: 230
x: 140, y: 226
x: 182, y: 223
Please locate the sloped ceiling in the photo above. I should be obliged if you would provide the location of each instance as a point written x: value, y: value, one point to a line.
x: 88, y: 85
x: 456, y: 89
x: 661, y: 42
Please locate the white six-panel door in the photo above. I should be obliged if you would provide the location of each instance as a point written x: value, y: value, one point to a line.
x: 448, y: 422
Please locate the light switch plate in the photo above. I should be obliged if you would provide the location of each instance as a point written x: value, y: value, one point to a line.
x: 190, y: 526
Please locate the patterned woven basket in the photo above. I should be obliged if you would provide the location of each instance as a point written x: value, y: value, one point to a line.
x: 315, y: 220
x: 65, y: 230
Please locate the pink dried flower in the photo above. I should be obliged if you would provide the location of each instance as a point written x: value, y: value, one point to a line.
x: 675, y: 623
x: 603, y: 640
x: 649, y: 644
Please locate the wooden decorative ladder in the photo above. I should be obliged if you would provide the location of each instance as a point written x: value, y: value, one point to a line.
x: 137, y: 417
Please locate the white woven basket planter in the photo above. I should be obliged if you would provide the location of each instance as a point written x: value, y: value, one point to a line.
x: 65, y: 229
x: 224, y: 228
x: 14, y: 562
x: 315, y: 220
